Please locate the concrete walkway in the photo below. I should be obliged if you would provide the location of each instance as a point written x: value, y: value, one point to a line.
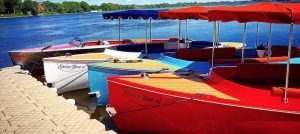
x: 27, y: 106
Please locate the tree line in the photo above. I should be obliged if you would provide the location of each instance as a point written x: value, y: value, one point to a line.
x: 17, y: 6
x: 66, y: 7
x: 31, y: 7
x: 113, y: 7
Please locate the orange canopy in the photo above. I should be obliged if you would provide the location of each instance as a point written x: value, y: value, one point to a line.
x: 260, y: 12
x: 195, y: 12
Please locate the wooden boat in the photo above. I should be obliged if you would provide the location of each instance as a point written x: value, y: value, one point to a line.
x: 31, y: 59
x: 98, y: 73
x: 247, y: 98
x: 68, y: 73
x: 233, y: 100
x: 59, y: 72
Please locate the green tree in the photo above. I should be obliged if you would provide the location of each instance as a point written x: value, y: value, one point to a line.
x: 12, y: 6
x: 52, y: 7
x: 2, y: 7
x: 85, y: 6
x: 29, y: 6
x: 71, y: 7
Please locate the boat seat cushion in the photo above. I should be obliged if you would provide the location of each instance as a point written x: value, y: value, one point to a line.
x: 128, y: 41
x: 292, y: 92
x: 140, y: 47
x: 173, y: 39
x: 200, y: 44
x: 204, y: 54
x: 226, y: 72
x: 267, y: 71
x: 92, y: 43
x: 283, y: 51
x: 249, y: 60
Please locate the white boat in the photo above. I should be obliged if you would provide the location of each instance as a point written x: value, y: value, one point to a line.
x: 68, y: 73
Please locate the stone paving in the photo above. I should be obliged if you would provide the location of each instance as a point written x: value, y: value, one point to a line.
x: 27, y: 106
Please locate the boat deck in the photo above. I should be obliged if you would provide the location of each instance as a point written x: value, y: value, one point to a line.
x: 191, y: 85
x: 250, y: 94
x: 27, y: 106
x: 85, y: 56
x: 150, y: 65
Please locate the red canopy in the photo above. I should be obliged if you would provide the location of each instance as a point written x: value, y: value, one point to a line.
x: 295, y: 8
x: 260, y: 12
x: 195, y: 12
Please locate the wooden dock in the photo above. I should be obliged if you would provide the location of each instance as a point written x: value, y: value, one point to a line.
x: 27, y: 106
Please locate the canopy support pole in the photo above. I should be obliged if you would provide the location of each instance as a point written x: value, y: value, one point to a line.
x: 150, y: 30
x: 269, y: 42
x: 179, y: 32
x: 257, y: 28
x: 214, y: 44
x: 119, y: 29
x: 186, y: 33
x: 218, y: 38
x: 146, y: 43
x: 285, y: 99
x: 244, y: 43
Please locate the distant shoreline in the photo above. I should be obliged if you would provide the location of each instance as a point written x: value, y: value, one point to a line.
x: 6, y: 16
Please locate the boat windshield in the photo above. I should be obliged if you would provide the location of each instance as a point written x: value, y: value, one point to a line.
x: 76, y: 42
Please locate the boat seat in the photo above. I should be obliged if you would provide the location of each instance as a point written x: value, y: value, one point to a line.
x: 249, y: 60
x: 204, y: 54
x: 201, y: 44
x: 283, y: 51
x: 226, y: 72
x: 252, y: 71
x: 140, y: 47
x: 92, y: 43
x: 173, y: 39
x: 128, y: 41
x: 267, y: 71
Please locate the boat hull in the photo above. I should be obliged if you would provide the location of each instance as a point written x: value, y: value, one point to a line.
x: 98, y: 81
x: 98, y: 76
x: 68, y: 74
x: 140, y: 109
x: 34, y: 60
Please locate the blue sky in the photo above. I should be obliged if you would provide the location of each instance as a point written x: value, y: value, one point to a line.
x: 97, y: 2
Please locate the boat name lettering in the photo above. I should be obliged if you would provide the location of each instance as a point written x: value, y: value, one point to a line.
x: 142, y: 97
x: 72, y: 67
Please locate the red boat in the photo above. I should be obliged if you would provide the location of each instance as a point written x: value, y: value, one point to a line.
x: 247, y: 98
x: 234, y: 100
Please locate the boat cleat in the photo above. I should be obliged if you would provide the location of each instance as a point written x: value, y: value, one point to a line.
x: 111, y: 111
x: 97, y: 93
x: 144, y: 76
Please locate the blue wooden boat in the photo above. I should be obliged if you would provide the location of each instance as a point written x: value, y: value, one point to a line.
x: 98, y: 72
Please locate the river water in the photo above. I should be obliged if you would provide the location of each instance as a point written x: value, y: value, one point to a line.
x: 28, y: 32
